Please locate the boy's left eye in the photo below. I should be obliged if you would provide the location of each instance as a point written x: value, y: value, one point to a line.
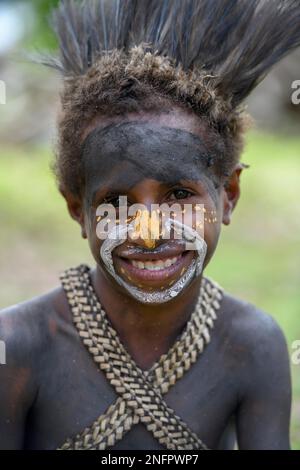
x: 181, y: 194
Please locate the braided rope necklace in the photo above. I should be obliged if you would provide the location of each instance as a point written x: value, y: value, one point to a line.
x: 140, y: 392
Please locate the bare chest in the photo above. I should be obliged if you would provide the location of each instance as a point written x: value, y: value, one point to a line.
x: 129, y: 410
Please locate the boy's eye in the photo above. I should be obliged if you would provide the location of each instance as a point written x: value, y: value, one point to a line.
x: 114, y: 200
x: 181, y: 194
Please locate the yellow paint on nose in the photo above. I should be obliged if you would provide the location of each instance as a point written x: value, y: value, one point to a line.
x: 147, y: 226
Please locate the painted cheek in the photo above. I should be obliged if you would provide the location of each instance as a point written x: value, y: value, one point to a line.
x: 211, y: 236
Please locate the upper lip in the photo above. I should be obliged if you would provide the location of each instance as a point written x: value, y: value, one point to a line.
x: 161, y: 252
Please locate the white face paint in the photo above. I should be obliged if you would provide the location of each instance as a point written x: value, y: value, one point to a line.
x: 192, y: 237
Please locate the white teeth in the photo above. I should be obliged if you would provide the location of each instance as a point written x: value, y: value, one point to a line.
x: 154, y: 265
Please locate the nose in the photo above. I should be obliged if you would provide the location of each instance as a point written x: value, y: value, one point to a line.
x: 146, y: 228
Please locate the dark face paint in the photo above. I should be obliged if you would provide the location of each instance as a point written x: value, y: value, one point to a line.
x: 121, y: 155
x: 119, y: 158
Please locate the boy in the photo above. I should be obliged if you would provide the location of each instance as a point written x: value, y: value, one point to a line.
x: 143, y: 351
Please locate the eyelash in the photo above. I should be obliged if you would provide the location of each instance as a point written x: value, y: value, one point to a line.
x: 111, y: 199
x: 188, y: 193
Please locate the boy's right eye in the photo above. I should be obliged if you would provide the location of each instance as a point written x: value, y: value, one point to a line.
x: 112, y: 200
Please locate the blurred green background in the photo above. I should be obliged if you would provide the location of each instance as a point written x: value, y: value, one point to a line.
x: 258, y: 257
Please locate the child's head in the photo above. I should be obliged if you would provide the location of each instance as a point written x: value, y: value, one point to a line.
x: 157, y: 151
x: 140, y: 83
x: 152, y: 110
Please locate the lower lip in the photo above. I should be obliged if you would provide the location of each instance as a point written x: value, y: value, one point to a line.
x: 165, y: 274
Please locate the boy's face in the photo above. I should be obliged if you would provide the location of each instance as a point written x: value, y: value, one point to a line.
x: 157, y: 160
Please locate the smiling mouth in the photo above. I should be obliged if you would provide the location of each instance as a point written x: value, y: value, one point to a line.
x: 154, y: 265
x: 154, y: 272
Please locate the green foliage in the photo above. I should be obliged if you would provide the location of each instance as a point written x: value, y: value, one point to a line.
x: 44, y: 32
x: 42, y: 36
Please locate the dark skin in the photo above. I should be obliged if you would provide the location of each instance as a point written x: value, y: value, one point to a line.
x: 51, y: 389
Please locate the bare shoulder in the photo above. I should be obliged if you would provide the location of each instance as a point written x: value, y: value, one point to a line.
x: 255, y: 343
x: 27, y: 327
x: 247, y: 324
x: 29, y: 332
x: 259, y: 365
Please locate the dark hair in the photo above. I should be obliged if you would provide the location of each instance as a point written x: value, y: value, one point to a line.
x: 121, y: 56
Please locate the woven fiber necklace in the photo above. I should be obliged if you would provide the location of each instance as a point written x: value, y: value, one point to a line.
x: 140, y: 392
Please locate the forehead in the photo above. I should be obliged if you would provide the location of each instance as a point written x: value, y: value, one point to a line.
x: 119, y: 155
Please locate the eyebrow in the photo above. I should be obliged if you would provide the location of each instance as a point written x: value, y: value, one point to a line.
x: 97, y: 194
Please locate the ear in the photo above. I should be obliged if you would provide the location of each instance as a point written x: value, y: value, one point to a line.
x: 231, y: 193
x: 75, y: 208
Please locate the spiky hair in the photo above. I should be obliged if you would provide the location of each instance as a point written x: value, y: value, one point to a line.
x: 122, y: 56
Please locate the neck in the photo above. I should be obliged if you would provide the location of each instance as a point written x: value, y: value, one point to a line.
x: 147, y: 331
